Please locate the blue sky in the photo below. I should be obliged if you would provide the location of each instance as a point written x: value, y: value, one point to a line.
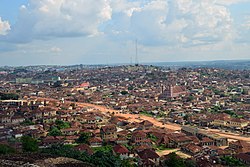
x: 34, y: 32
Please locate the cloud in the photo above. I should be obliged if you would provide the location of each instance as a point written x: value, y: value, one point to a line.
x: 56, y: 49
x: 161, y: 22
x: 230, y: 2
x: 4, y: 27
x: 45, y: 19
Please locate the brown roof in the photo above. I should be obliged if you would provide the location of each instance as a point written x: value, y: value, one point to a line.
x: 139, y: 134
x: 120, y: 149
x: 146, y: 123
x: 243, y: 156
x: 193, y: 148
x: 178, y: 89
x: 148, y: 154
x: 243, y: 146
x: 84, y: 147
x: 108, y: 128
x: 95, y: 140
x: 206, y: 140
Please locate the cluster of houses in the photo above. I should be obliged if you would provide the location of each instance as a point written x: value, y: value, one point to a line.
x: 202, y: 97
x: 140, y: 140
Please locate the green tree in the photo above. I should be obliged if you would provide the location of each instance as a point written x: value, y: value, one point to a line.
x: 174, y: 161
x: 5, y: 149
x: 83, y: 138
x: 61, y: 124
x: 54, y: 131
x: 9, y: 96
x: 231, y: 161
x: 152, y: 137
x: 105, y: 159
x: 124, y: 92
x: 190, y: 163
x: 27, y: 122
x: 29, y: 144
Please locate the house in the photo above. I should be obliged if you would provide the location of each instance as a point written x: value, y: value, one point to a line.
x: 148, y: 157
x: 176, y: 142
x: 5, y: 119
x: 121, y: 150
x: 172, y: 91
x: 84, y: 148
x: 243, y: 157
x: 70, y: 131
x: 70, y: 139
x: 239, y: 146
x: 95, y: 142
x: 206, y: 142
x: 238, y: 123
x: 121, y: 140
x: 140, y: 138
x: 51, y: 140
x: 108, y: 132
x: 17, y: 119
x: 191, y: 149
x: 146, y: 124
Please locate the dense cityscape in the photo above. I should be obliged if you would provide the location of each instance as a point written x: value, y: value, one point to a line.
x: 124, y: 83
x: 124, y: 115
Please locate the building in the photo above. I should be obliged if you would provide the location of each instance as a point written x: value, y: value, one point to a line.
x: 108, y: 132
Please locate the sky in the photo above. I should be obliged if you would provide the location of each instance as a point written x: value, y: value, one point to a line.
x: 65, y: 32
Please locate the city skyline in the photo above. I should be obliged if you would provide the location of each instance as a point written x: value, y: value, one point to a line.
x: 67, y: 32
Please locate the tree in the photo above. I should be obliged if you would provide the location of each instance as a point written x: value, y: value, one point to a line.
x: 106, y: 159
x: 54, y: 131
x: 174, y: 161
x: 124, y: 92
x: 231, y: 161
x: 83, y: 138
x: 190, y: 163
x: 27, y: 122
x: 9, y: 96
x: 62, y: 125
x: 5, y: 149
x: 29, y: 144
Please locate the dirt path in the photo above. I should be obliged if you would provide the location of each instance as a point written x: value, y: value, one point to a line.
x: 177, y: 151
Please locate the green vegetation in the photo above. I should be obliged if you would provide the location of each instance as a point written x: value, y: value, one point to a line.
x: 231, y: 161
x: 124, y: 92
x: 103, y: 158
x: 146, y: 113
x: 5, y: 149
x: 9, y: 96
x: 215, y: 109
x: 29, y: 144
x: 83, y: 138
x: 129, y: 147
x: 190, y: 98
x: 232, y: 114
x: 107, y: 148
x: 149, y: 114
x: 27, y: 122
x: 62, y: 125
x: 54, y: 131
x: 162, y: 147
x: 175, y: 161
x: 152, y: 137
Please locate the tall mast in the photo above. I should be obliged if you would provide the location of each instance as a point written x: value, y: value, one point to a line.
x: 136, y: 53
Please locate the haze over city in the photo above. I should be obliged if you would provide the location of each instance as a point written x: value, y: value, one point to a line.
x: 34, y: 32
